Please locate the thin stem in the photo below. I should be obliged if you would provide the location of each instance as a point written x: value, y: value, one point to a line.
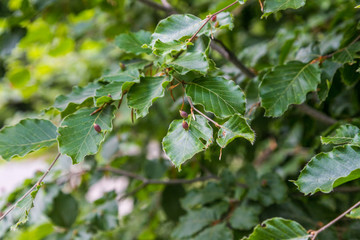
x: 32, y: 188
x: 315, y: 233
x: 210, y: 17
x: 202, y: 114
x: 143, y: 185
x: 147, y: 181
x: 316, y: 114
x: 229, y: 55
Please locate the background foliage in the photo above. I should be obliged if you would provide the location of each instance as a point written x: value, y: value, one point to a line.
x: 274, y: 94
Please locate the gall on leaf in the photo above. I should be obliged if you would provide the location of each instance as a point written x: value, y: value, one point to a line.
x: 97, y: 128
x: 183, y: 114
x: 185, y: 125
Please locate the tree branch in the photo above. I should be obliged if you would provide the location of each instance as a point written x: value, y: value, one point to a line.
x: 210, y: 17
x: 32, y: 188
x: 315, y: 233
x: 230, y: 56
x: 316, y: 114
x: 147, y: 181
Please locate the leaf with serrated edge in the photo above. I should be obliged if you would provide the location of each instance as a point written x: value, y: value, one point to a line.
x: 193, y: 222
x: 133, y: 42
x: 68, y: 103
x: 233, y: 128
x: 345, y: 134
x: 77, y: 136
x: 287, y: 84
x: 142, y: 95
x: 328, y: 170
x: 180, y: 144
x: 27, y: 136
x: 278, y: 228
x: 190, y: 61
x: 217, y: 232
x: 272, y: 6
x: 118, y: 84
x: 218, y: 95
x: 22, y: 209
x: 348, y: 54
x: 355, y: 213
x: 178, y: 27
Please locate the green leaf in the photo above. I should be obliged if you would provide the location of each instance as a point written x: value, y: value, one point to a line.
x: 355, y: 213
x: 118, y: 85
x: 287, y: 84
x: 178, y: 27
x: 328, y: 170
x: 160, y: 48
x: 180, y: 144
x: 272, y: 6
x: 278, y: 228
x: 198, y: 197
x: 267, y: 190
x: 142, y: 95
x: 193, y: 222
x: 23, y: 207
x: 27, y: 136
x: 217, y: 232
x: 77, y: 136
x: 190, y: 61
x: 233, y: 128
x: 348, y: 54
x: 80, y: 96
x: 133, y: 42
x: 245, y: 217
x: 225, y: 20
x: 64, y: 210
x: 218, y: 95
x: 345, y: 134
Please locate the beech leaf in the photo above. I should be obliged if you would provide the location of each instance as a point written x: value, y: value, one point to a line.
x: 77, y: 136
x: 278, y: 228
x: 328, y: 170
x: 233, y: 128
x: 345, y: 134
x: 180, y: 144
x: 287, y: 84
x: 27, y: 136
x: 218, y: 95
x: 142, y: 95
x: 272, y: 6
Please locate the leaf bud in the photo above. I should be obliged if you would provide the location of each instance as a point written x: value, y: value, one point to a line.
x: 213, y: 18
x: 183, y: 114
x: 185, y: 125
x: 217, y: 24
x: 97, y: 128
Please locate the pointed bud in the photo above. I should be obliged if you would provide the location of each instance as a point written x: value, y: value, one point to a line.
x: 122, y: 66
x: 97, y: 128
x: 213, y: 18
x: 185, y: 125
x: 183, y: 114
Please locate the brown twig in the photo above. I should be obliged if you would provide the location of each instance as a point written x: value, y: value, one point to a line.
x: 315, y: 233
x: 207, y: 19
x: 316, y: 114
x: 32, y: 188
x: 202, y: 114
x: 229, y: 55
